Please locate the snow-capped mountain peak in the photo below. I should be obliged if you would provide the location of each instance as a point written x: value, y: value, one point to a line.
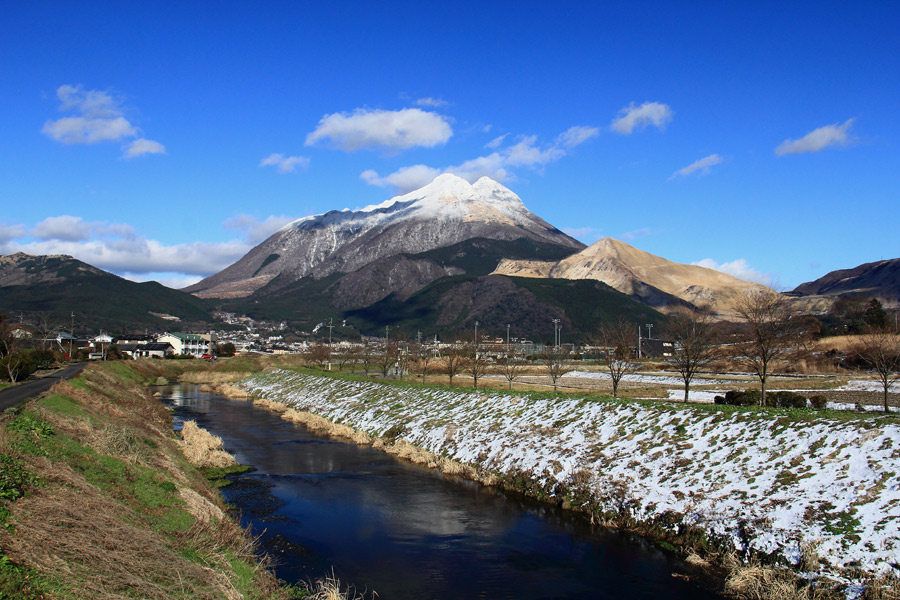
x: 445, y: 212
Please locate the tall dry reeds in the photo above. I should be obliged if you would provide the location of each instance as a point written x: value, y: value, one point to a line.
x: 203, y: 449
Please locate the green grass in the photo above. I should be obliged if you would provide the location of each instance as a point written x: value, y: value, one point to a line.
x: 63, y: 404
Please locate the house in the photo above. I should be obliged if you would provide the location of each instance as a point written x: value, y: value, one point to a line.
x: 148, y: 350
x: 134, y: 338
x: 154, y: 350
x: 191, y: 343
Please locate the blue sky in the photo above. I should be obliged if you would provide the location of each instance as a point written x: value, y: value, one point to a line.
x: 163, y: 140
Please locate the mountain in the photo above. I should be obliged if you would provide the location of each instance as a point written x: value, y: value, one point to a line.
x: 651, y: 279
x: 60, y: 285
x: 879, y: 279
x: 383, y: 249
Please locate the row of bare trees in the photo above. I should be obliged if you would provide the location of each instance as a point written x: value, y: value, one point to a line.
x: 771, y: 332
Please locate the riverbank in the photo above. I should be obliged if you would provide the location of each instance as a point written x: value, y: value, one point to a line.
x: 815, y: 492
x: 98, y: 500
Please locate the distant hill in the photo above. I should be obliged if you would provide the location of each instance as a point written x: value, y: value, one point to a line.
x: 651, y: 279
x: 60, y: 285
x: 875, y: 280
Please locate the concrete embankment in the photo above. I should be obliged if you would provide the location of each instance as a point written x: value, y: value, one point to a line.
x: 817, y: 491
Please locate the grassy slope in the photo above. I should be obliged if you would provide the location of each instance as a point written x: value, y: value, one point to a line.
x: 775, y: 481
x: 99, y: 502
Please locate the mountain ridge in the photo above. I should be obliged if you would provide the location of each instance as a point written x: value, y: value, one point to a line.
x: 445, y: 212
x: 653, y: 280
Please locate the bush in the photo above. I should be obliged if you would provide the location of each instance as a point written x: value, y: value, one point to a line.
x: 736, y: 398
x: 786, y: 399
x: 818, y: 401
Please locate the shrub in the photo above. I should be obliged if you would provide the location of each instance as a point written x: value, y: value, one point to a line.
x: 736, y: 398
x: 785, y: 399
x: 818, y: 401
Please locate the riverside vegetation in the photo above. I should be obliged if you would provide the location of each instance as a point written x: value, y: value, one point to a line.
x: 757, y: 495
x: 100, y: 499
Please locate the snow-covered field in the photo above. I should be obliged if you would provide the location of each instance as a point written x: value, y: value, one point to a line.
x: 766, y: 482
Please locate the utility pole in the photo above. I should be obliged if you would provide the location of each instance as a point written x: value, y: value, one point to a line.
x: 476, y: 341
x: 507, y: 339
x: 71, y: 334
x: 556, y: 333
x: 639, y: 343
x: 649, y: 331
x: 330, y: 327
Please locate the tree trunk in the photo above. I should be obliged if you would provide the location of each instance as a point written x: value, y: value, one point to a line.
x: 762, y: 395
x: 687, y: 387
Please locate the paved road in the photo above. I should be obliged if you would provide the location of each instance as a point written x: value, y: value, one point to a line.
x: 18, y: 393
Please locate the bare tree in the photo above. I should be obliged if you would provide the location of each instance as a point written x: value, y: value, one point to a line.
x: 880, y: 350
x: 366, y: 356
x: 424, y: 357
x: 513, y: 367
x: 618, y: 341
x: 388, y: 357
x: 10, y: 355
x: 453, y: 361
x: 7, y: 337
x: 694, y: 344
x: 44, y: 326
x: 556, y: 364
x: 476, y: 361
x: 318, y: 355
x: 342, y: 359
x: 772, y: 330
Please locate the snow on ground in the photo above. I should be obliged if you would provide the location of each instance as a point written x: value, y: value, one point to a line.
x: 769, y: 483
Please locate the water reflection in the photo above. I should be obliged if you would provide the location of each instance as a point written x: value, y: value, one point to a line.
x: 408, y: 532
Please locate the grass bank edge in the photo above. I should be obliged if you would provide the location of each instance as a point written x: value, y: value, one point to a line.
x: 101, y: 445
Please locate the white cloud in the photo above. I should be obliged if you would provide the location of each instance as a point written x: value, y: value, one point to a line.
x: 818, y: 140
x: 285, y: 164
x: 63, y: 228
x: 404, y: 179
x: 497, y: 141
x: 638, y: 117
x: 575, y: 136
x: 703, y: 165
x: 139, y: 255
x: 143, y: 146
x: 170, y: 280
x: 10, y: 232
x: 390, y: 129
x: 737, y: 268
x: 117, y: 247
x: 254, y: 230
x: 526, y: 152
x: 432, y: 102
x: 98, y: 117
x: 79, y: 130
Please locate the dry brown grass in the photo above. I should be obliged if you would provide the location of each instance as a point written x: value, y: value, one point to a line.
x: 203, y: 449
x: 753, y: 581
x: 329, y: 588
x: 72, y: 530
x: 213, y: 377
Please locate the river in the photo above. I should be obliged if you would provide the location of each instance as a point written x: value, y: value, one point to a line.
x: 409, y: 532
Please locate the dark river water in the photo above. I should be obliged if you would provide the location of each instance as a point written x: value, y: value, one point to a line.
x: 408, y: 532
